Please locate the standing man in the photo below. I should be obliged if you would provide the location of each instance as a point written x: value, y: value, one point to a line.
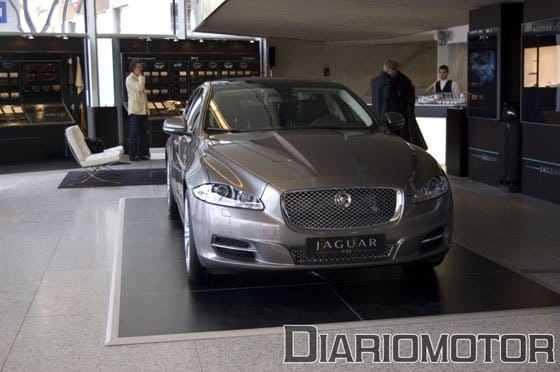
x: 383, y: 97
x: 138, y: 111
x: 444, y: 85
x: 406, y: 101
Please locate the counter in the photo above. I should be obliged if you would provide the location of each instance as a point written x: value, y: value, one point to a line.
x: 432, y: 121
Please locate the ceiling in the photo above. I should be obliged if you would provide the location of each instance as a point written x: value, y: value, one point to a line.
x: 338, y: 20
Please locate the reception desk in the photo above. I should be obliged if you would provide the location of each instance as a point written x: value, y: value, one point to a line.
x: 432, y: 122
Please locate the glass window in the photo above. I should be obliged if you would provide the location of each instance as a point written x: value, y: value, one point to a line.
x: 135, y: 17
x: 540, y: 96
x: 105, y: 69
x: 255, y: 106
x: 44, y: 16
x: 194, y: 110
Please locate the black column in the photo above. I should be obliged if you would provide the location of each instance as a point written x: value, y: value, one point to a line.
x: 494, y: 78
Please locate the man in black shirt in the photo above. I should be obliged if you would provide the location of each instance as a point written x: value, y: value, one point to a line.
x: 406, y: 100
x: 383, y: 98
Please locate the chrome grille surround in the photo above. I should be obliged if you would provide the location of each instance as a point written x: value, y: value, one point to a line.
x: 316, y: 209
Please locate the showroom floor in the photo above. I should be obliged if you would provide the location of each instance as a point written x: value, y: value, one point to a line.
x: 57, y: 249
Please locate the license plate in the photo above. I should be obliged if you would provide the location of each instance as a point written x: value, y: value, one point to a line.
x: 345, y: 245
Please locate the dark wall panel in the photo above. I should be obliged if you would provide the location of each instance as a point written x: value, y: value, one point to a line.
x: 106, y: 125
x: 541, y: 143
x: 485, y: 134
x: 536, y: 10
x: 483, y: 150
x: 541, y: 161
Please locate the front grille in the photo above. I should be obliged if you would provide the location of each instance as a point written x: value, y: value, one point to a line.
x: 317, y: 209
x: 301, y: 257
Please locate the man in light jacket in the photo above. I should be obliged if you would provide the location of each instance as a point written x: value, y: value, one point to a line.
x: 138, y: 112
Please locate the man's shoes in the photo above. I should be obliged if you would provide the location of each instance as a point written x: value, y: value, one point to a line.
x: 144, y: 158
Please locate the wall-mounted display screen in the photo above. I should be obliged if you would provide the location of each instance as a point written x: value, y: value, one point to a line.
x: 483, y: 74
x: 541, y: 72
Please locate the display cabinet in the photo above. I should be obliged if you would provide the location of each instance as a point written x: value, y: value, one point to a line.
x: 541, y: 72
x: 38, y: 96
x: 172, y: 77
x: 31, y: 94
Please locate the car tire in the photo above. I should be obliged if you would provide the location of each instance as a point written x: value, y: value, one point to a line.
x: 196, y: 273
x: 172, y: 208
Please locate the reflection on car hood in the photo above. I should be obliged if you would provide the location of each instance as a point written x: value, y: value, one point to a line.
x: 320, y: 154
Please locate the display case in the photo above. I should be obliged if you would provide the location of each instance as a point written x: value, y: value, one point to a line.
x: 171, y: 78
x: 483, y: 73
x: 541, y: 72
x: 31, y: 94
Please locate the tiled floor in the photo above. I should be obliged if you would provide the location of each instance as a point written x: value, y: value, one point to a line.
x: 56, y: 255
x: 155, y: 298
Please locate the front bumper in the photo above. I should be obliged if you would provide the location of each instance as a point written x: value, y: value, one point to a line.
x: 269, y: 244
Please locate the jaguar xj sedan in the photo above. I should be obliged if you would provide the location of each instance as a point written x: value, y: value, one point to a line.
x: 273, y: 174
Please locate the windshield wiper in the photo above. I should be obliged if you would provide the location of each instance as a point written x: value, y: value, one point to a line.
x: 222, y: 130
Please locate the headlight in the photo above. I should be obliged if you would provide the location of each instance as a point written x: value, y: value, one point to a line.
x: 227, y: 196
x: 435, y: 187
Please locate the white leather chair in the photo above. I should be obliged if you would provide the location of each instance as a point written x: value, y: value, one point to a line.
x: 92, y: 163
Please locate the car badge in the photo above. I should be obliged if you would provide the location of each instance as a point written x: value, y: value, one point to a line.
x: 343, y: 199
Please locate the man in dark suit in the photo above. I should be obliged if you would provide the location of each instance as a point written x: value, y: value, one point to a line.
x: 406, y: 100
x: 383, y: 98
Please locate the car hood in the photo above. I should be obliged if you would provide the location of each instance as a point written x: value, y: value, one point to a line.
x: 315, y: 158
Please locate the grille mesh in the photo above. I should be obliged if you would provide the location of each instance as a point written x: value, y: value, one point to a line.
x: 316, y: 209
x: 301, y: 257
x: 230, y: 242
x: 234, y: 254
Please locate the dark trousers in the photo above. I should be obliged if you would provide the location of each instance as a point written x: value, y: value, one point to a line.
x: 138, y: 144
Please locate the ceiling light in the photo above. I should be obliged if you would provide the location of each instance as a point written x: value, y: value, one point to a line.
x: 252, y: 41
x: 175, y: 40
x: 201, y: 41
x: 30, y: 37
x: 64, y: 37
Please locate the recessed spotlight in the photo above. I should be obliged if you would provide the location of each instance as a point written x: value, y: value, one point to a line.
x: 252, y: 41
x: 175, y: 40
x: 148, y: 39
x: 64, y: 37
x: 201, y: 41
x: 30, y: 37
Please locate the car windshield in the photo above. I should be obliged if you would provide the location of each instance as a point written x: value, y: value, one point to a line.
x: 249, y: 106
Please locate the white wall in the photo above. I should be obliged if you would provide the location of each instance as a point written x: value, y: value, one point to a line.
x: 454, y: 55
x: 353, y: 65
x: 201, y: 9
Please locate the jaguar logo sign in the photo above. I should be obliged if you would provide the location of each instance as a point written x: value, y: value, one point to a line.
x: 343, y: 199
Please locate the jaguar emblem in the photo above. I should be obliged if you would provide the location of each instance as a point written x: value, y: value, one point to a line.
x: 343, y: 199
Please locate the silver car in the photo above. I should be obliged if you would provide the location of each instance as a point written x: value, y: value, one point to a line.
x: 275, y: 174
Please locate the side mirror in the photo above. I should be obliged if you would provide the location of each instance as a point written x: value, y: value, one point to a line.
x: 174, y: 125
x: 394, y: 120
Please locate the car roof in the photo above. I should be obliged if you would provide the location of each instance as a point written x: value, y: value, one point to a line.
x: 275, y: 81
